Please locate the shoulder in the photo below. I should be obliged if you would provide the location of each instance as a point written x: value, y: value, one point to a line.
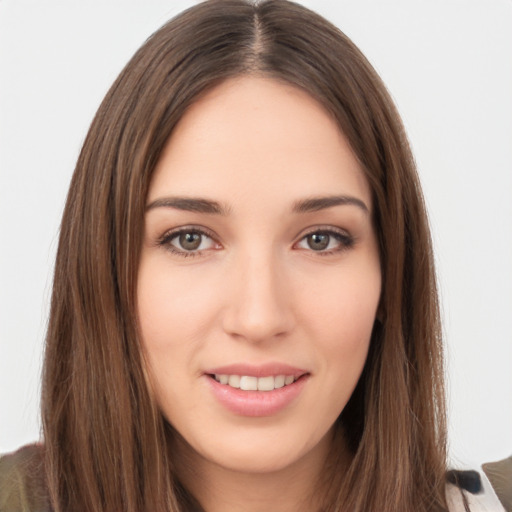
x: 22, y: 481
x: 500, y: 476
x: 489, y: 490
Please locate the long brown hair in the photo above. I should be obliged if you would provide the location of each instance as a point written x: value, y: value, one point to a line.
x: 105, y: 438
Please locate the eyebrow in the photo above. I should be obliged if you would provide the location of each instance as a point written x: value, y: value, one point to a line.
x: 315, y: 204
x: 208, y: 206
x: 189, y: 204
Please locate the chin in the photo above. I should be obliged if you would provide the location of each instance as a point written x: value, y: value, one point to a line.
x: 263, y: 452
x: 256, y: 462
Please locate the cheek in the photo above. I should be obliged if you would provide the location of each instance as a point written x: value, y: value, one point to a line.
x: 173, y: 306
x: 343, y: 307
x: 168, y: 311
x: 177, y: 311
x: 341, y: 320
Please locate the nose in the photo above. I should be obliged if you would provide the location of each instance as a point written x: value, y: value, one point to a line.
x: 259, y: 305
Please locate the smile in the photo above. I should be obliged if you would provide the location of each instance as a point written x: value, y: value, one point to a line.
x: 251, y: 383
x: 253, y: 391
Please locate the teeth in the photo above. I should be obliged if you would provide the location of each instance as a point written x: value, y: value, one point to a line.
x: 234, y: 381
x: 279, y: 381
x: 266, y: 383
x: 250, y: 383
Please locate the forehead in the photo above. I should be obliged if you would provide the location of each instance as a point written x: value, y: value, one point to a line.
x: 253, y: 136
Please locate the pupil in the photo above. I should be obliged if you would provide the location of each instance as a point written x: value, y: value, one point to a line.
x: 318, y: 241
x: 190, y: 241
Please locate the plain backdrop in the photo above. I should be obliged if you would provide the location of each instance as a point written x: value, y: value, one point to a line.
x: 448, y: 65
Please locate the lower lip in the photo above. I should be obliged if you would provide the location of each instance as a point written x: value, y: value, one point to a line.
x: 256, y: 403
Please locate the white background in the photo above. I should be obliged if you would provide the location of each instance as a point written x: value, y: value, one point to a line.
x: 447, y: 63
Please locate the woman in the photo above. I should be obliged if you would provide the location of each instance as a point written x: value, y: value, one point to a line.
x: 244, y: 310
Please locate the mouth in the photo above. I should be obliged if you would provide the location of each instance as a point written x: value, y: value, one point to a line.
x: 253, y: 391
x: 252, y: 383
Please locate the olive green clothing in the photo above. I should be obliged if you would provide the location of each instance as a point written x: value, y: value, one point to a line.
x: 500, y: 475
x: 22, y: 481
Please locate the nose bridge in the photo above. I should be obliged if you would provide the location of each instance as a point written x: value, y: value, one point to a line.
x: 258, y: 307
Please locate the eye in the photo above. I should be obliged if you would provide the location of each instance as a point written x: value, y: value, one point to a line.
x: 326, y: 241
x: 188, y: 241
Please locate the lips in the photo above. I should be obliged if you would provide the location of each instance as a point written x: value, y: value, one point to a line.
x: 262, y: 390
x: 257, y: 370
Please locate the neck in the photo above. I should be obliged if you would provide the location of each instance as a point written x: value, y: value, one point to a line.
x: 296, y: 487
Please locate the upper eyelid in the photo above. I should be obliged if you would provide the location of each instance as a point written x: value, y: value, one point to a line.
x: 323, y: 229
x: 206, y: 231
x: 171, y: 233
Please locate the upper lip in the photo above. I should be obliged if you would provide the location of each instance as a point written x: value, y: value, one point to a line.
x: 257, y: 370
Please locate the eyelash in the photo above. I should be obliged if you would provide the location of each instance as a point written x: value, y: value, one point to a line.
x: 167, y: 238
x: 345, y: 240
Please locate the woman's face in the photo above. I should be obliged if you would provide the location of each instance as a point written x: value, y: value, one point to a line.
x: 259, y: 279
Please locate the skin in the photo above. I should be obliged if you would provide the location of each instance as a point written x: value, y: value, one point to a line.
x: 259, y: 288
